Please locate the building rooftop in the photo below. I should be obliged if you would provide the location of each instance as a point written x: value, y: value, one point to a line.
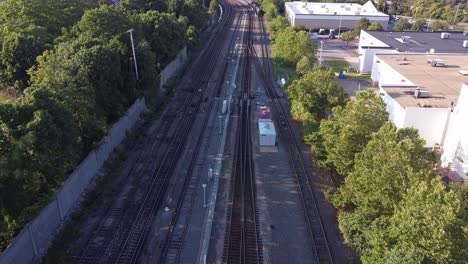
x: 345, y: 9
x: 418, y: 41
x: 266, y: 127
x: 442, y: 83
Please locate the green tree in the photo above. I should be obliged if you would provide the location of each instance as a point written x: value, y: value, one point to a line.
x: 349, y: 129
x: 103, y: 23
x: 439, y: 25
x: 28, y: 27
x: 18, y: 53
x: 348, y: 36
x: 270, y: 9
x: 166, y: 35
x: 276, y: 26
x: 436, y: 10
x: 418, y: 24
x: 392, y: 203
x: 402, y: 24
x: 304, y: 65
x: 60, y: 73
x: 381, y: 5
x: 315, y: 93
x: 213, y: 7
x: 195, y: 12
x: 375, y: 26
x: 290, y: 46
x: 363, y: 24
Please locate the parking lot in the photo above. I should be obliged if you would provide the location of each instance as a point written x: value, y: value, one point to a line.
x: 335, y: 49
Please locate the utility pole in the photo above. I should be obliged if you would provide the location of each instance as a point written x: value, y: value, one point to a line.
x: 133, y: 49
x: 339, y: 28
x: 321, y: 49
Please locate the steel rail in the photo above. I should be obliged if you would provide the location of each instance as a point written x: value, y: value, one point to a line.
x: 321, y: 248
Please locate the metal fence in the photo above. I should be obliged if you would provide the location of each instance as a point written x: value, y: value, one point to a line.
x: 35, y: 238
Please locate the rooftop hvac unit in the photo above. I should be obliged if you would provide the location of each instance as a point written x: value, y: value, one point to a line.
x: 357, y: 13
x: 348, y: 9
x: 342, y: 6
x: 418, y: 93
x: 437, y: 63
x: 445, y: 35
x: 323, y: 6
x: 465, y: 43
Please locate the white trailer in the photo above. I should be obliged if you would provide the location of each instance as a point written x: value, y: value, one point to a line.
x: 266, y: 132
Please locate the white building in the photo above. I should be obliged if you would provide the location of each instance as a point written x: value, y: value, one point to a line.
x: 373, y: 42
x: 455, y: 153
x: 428, y: 92
x: 332, y: 15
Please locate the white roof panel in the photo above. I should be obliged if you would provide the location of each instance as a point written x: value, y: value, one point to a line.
x: 345, y: 9
x: 266, y: 127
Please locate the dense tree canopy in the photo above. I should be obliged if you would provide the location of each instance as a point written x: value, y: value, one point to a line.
x: 402, y: 24
x: 389, y: 202
x: 276, y: 26
x: 72, y: 65
x: 348, y: 130
x: 418, y: 25
x: 28, y: 27
x: 315, y: 93
x: 362, y: 24
x: 375, y: 26
x: 290, y: 46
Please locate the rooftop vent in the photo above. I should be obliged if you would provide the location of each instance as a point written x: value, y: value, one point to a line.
x: 403, y: 61
x: 445, y: 35
x: 436, y: 62
x: 418, y: 93
x: 465, y: 43
x: 405, y: 39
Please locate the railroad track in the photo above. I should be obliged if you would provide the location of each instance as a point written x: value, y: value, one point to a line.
x: 121, y: 233
x: 175, y: 238
x: 242, y: 243
x: 321, y: 249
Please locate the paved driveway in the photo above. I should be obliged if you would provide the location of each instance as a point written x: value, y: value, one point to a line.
x: 335, y: 49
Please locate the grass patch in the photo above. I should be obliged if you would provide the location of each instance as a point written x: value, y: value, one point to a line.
x: 342, y: 65
x: 338, y: 65
x: 358, y: 76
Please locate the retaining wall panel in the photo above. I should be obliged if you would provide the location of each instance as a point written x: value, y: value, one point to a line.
x: 20, y: 251
x: 88, y: 169
x: 45, y: 225
x: 69, y: 193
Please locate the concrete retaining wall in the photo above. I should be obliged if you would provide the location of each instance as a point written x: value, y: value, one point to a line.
x: 35, y: 238
x: 172, y: 68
